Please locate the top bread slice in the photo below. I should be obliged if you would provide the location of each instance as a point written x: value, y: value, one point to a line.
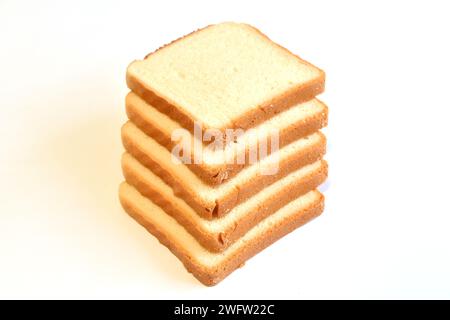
x: 224, y: 76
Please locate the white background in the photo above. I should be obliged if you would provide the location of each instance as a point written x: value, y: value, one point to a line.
x: 385, y: 232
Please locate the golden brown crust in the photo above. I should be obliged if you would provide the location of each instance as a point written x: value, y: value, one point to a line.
x: 221, y: 206
x: 266, y: 110
x: 219, y: 241
x: 217, y: 174
x: 212, y: 276
x: 263, y: 241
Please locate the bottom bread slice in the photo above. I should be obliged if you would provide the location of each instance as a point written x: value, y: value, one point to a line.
x: 208, y: 267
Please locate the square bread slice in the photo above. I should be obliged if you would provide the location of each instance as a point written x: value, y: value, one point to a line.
x: 215, y: 201
x: 228, y: 75
x: 210, y: 268
x: 218, y: 234
x: 296, y: 122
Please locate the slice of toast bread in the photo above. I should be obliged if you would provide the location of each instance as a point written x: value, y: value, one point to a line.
x: 299, y: 121
x: 209, y: 201
x: 218, y: 234
x: 228, y: 75
x: 210, y: 268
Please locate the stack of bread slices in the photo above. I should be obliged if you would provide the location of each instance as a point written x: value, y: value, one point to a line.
x: 198, y: 109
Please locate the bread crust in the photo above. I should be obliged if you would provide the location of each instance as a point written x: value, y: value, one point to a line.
x: 221, y: 206
x: 220, y: 240
x: 300, y: 93
x: 210, y: 276
x: 214, y: 174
